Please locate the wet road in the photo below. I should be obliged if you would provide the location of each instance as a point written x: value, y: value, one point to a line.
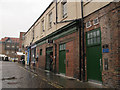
x: 15, y: 76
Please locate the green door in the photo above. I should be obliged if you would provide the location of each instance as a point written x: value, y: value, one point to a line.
x: 94, y: 55
x: 62, y: 59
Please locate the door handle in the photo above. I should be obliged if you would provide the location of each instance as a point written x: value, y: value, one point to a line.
x: 100, y: 62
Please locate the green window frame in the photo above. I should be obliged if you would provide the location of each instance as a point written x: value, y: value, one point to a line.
x: 62, y: 47
x: 93, y: 37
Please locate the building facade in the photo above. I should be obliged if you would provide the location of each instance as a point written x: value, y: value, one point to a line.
x: 10, y: 47
x: 79, y: 40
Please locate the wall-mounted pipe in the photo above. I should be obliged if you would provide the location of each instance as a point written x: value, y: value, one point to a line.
x: 83, y: 45
x: 80, y: 50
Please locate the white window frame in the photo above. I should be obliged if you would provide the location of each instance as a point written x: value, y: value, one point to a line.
x: 88, y: 23
x: 50, y: 19
x: 43, y: 28
x: 94, y: 21
x: 64, y: 8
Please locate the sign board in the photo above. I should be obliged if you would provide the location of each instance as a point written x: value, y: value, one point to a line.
x: 105, y: 50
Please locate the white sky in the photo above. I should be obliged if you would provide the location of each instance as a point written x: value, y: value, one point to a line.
x: 18, y: 15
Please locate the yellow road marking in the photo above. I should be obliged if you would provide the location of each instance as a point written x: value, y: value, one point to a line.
x: 52, y: 84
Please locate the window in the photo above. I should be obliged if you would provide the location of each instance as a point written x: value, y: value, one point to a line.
x: 93, y: 37
x: 33, y: 34
x: 40, y: 52
x: 64, y: 8
x: 50, y: 20
x: 9, y: 41
x: 8, y: 46
x: 13, y: 46
x: 7, y: 52
x: 88, y: 24
x: 12, y: 51
x: 95, y: 21
x: 43, y: 26
x: 62, y: 47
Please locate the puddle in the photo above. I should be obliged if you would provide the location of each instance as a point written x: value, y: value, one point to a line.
x: 8, y: 78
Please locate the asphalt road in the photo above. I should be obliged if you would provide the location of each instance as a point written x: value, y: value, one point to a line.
x: 15, y: 76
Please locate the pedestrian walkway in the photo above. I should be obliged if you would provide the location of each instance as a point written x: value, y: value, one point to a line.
x: 62, y: 81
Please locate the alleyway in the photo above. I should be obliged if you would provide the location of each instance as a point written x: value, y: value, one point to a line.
x: 15, y: 75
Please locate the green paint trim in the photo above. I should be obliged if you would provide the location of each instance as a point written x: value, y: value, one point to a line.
x: 65, y: 33
x: 41, y: 43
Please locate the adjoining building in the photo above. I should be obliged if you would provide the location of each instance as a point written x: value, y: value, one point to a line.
x: 9, y: 47
x: 79, y: 40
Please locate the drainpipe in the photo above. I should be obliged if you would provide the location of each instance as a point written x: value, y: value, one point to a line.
x: 55, y: 43
x: 56, y: 13
x: 80, y: 57
x: 82, y: 24
x: 55, y: 57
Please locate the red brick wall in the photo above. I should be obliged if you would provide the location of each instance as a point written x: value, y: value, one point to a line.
x: 109, y: 18
x: 72, y: 54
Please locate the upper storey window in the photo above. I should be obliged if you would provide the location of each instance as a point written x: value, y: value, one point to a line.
x: 64, y: 8
x: 43, y: 29
x: 50, y: 20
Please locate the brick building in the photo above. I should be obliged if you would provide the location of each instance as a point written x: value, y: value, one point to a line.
x: 21, y: 45
x: 84, y: 42
x: 9, y: 47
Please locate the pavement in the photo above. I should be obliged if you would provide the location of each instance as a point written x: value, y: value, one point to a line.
x: 61, y: 81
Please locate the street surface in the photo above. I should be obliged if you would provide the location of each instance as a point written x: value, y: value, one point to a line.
x: 15, y: 75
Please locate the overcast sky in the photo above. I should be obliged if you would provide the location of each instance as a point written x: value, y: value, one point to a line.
x: 18, y: 15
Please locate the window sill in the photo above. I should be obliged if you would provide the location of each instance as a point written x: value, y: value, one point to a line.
x: 49, y: 28
x: 64, y: 17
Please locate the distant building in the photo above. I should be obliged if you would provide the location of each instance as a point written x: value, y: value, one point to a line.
x: 9, y: 46
x: 21, y: 45
x: 21, y: 39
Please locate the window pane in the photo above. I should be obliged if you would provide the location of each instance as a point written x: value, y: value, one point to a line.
x: 91, y: 35
x: 88, y: 41
x: 98, y: 33
x: 64, y: 46
x: 88, y: 35
x: 94, y: 34
x: 91, y: 41
x: 94, y: 40
x: 98, y: 39
x: 60, y: 47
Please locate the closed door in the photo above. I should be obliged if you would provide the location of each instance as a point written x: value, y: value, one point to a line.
x: 48, y: 53
x: 94, y: 55
x: 62, y: 59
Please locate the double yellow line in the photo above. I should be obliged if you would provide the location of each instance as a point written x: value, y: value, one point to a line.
x: 50, y: 83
